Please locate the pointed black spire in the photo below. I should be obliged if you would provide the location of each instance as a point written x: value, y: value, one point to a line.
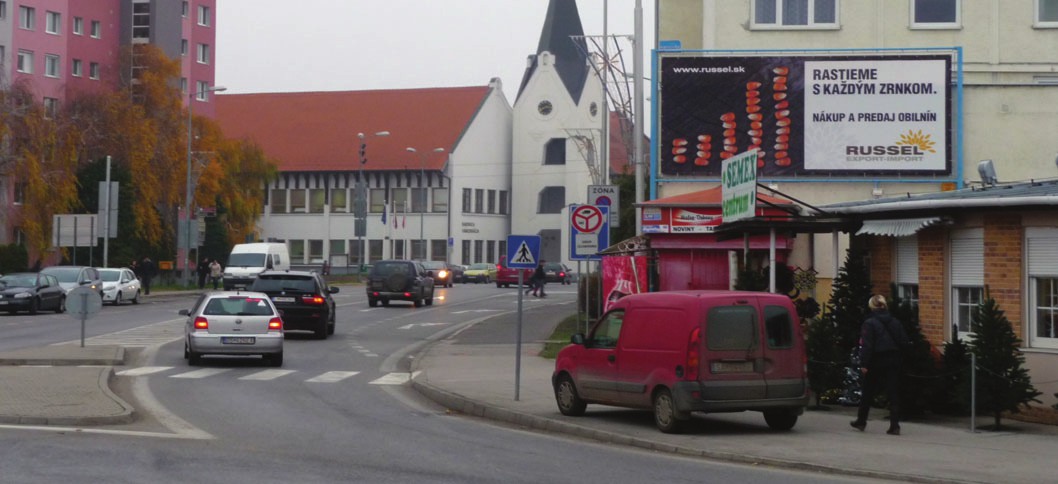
x: 563, y: 36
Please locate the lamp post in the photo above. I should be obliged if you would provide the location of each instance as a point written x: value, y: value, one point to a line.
x: 422, y: 187
x: 361, y: 190
x: 191, y: 95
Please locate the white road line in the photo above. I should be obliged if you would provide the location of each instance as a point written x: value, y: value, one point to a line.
x: 395, y: 379
x: 143, y: 370
x: 201, y: 373
x: 332, y: 376
x: 266, y: 375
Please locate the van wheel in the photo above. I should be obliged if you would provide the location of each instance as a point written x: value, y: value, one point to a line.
x: 569, y: 402
x: 666, y: 417
x: 780, y: 419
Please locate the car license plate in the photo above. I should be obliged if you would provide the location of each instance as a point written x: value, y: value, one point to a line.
x: 283, y: 299
x: 732, y: 366
x: 237, y: 340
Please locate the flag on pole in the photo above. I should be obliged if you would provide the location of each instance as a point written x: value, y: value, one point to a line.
x: 385, y: 208
x: 404, y: 218
x: 394, y: 215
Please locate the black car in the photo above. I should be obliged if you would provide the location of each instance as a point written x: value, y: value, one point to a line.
x: 31, y: 291
x: 557, y: 272
x: 440, y: 271
x: 303, y: 298
x: 401, y: 280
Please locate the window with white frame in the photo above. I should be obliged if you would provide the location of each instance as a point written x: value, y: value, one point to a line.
x: 78, y: 26
x: 398, y: 249
x: 490, y: 250
x: 203, y: 15
x: 479, y: 200
x: 376, y: 200
x: 93, y: 70
x: 1046, y: 13
x: 967, y: 276
x: 297, y: 251
x: 202, y: 91
x: 440, y: 200
x: 936, y: 14
x: 297, y: 201
x: 27, y: 17
x: 315, y: 251
x: 278, y: 199
x: 418, y: 249
x: 438, y: 249
x: 51, y: 107
x: 503, y: 202
x: 1041, y: 252
x: 418, y: 200
x: 97, y: 29
x: 183, y: 85
x: 906, y: 264
x: 25, y: 61
x: 52, y: 22
x: 51, y: 65
x: 491, y: 205
x: 203, y: 54
x: 464, y: 257
x: 184, y: 10
x: 467, y: 200
x: 3, y: 9
x: 339, y: 200
x: 317, y: 197
x: 479, y: 251
x: 141, y: 21
x: 183, y: 47
x: 795, y: 14
x: 76, y: 68
x: 398, y: 202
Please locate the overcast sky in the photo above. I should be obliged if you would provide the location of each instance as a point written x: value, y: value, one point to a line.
x: 332, y: 45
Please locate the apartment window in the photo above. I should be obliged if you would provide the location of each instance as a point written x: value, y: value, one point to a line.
x: 491, y: 201
x: 339, y: 200
x: 51, y: 107
x: 297, y: 251
x: 466, y: 200
x: 503, y: 202
x: 183, y: 47
x: 377, y: 200
x: 551, y: 200
x: 440, y: 200
x: 297, y: 201
x: 418, y: 200
x: 97, y: 29
x: 52, y: 22
x: 1046, y: 13
x: 141, y: 21
x: 779, y: 14
x: 279, y: 200
x: 479, y: 201
x: 183, y: 85
x: 203, y: 54
x: 316, y: 251
x: 464, y: 257
x: 906, y: 269
x: 184, y: 10
x: 27, y: 17
x: 317, y: 196
x: 478, y: 251
x: 25, y: 61
x: 93, y: 70
x: 78, y: 26
x: 203, y: 15
x: 51, y: 65
x: 76, y: 68
x: 935, y: 14
x: 555, y: 152
x: 967, y: 276
x: 438, y: 249
x: 202, y: 91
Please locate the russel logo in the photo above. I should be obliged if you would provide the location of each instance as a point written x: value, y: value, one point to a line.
x: 914, y: 143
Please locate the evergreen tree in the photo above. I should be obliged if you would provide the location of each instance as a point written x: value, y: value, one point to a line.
x: 848, y: 301
x: 1003, y: 383
x: 825, y: 360
x: 919, y: 369
x: 954, y: 370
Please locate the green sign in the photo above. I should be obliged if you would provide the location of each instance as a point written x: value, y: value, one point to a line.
x: 739, y: 181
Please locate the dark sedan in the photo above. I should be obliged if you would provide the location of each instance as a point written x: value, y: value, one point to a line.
x: 31, y: 291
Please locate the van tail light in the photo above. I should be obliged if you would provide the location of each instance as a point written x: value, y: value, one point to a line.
x: 694, y: 354
x: 201, y: 324
x: 275, y: 324
x: 314, y: 300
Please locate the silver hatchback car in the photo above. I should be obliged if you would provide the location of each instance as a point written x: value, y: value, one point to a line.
x: 233, y: 323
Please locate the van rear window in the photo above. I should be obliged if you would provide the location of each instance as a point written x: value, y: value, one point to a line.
x: 779, y: 327
x: 731, y: 328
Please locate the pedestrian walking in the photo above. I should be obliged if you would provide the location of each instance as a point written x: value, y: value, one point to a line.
x: 203, y: 272
x: 147, y: 271
x: 882, y: 342
x: 538, y: 280
x: 216, y: 272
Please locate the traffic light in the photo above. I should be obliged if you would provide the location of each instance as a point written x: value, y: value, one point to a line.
x: 363, y: 153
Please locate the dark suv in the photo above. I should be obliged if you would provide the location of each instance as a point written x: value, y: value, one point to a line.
x: 402, y: 280
x: 303, y: 299
x: 557, y: 272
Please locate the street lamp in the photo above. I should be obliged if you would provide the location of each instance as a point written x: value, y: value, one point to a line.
x: 422, y: 188
x: 191, y: 95
x: 361, y: 190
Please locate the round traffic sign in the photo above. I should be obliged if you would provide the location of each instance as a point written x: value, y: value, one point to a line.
x: 587, y: 219
x: 603, y: 200
x: 83, y: 302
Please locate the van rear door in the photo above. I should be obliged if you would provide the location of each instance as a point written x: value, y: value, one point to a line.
x: 732, y: 360
x: 784, y: 360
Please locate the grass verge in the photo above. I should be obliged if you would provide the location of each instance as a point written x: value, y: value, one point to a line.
x: 560, y: 336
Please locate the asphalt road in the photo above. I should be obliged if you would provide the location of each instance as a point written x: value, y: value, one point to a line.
x: 338, y: 410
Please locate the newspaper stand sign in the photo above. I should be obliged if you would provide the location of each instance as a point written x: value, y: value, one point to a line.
x: 739, y: 181
x: 589, y: 231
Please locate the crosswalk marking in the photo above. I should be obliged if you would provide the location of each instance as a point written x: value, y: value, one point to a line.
x: 332, y: 376
x: 267, y: 375
x: 395, y: 379
x: 143, y: 370
x: 201, y: 373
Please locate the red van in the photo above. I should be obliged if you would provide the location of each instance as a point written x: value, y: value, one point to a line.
x: 689, y: 351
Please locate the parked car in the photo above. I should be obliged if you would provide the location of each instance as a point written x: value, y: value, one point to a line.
x: 233, y: 323
x: 557, y: 272
x: 302, y: 297
x: 458, y: 272
x: 120, y: 285
x: 480, y: 272
x: 31, y: 291
x: 442, y: 275
x: 401, y: 280
x: 73, y: 276
x: 689, y: 351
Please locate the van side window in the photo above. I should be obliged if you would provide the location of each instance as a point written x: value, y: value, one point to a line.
x: 779, y: 327
x: 606, y: 331
x: 731, y: 328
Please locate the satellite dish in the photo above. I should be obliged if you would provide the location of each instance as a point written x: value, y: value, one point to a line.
x: 987, y: 171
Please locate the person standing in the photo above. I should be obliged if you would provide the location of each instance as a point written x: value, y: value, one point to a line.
x: 538, y: 279
x: 215, y: 273
x: 146, y: 273
x: 882, y: 340
x: 203, y: 271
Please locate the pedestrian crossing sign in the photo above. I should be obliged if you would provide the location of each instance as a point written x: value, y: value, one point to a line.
x: 523, y: 251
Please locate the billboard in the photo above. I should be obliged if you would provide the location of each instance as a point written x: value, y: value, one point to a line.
x: 808, y: 115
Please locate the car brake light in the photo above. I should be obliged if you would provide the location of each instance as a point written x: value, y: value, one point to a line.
x: 317, y: 300
x: 561, y: 274
x: 407, y: 294
x: 694, y: 354
x: 275, y: 324
x: 201, y: 323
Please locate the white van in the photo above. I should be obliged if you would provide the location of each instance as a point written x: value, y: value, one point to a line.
x: 248, y: 260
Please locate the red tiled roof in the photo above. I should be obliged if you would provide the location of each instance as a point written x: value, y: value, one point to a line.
x: 317, y: 131
x: 708, y: 197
